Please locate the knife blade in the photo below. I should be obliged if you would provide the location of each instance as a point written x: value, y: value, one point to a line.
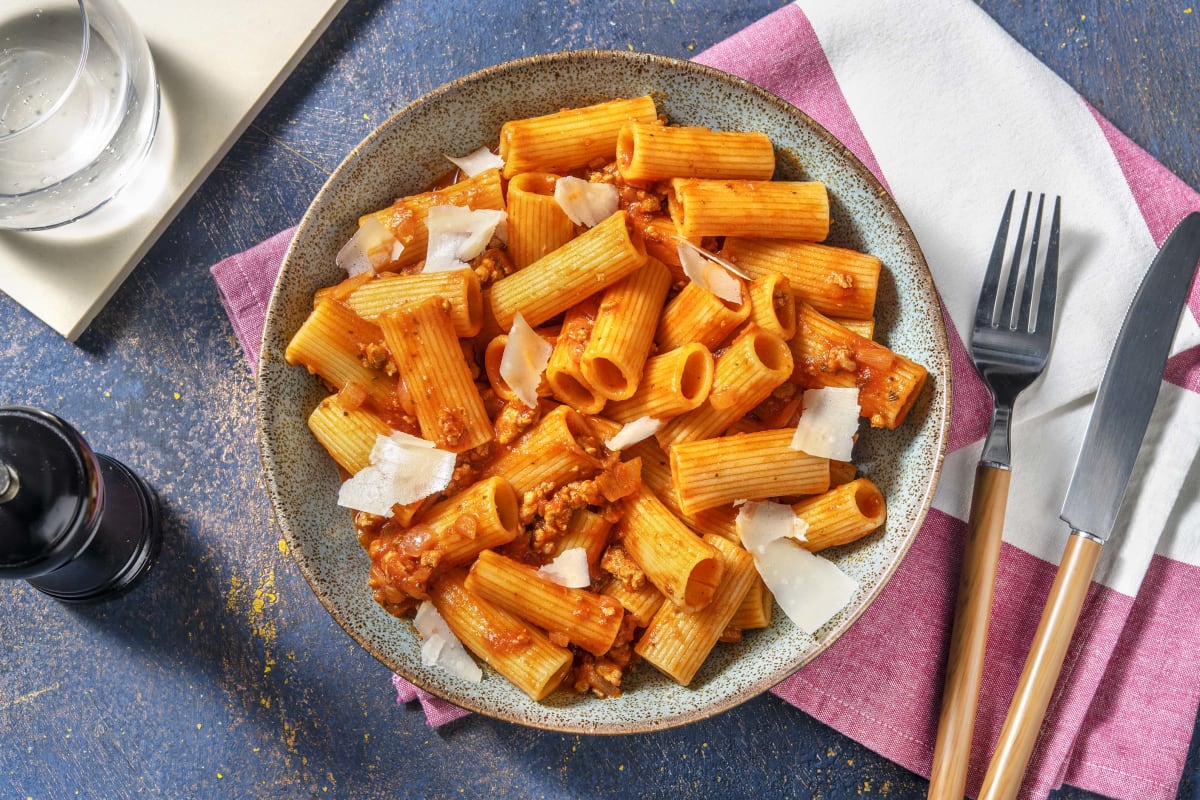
x: 1129, y: 388
x: 1120, y: 416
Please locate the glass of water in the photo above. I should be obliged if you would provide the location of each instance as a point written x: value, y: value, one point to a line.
x: 79, y: 105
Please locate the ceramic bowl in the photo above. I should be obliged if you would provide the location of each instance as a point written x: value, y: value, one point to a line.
x: 405, y: 155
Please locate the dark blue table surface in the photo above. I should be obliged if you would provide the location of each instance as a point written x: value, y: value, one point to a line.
x: 221, y: 675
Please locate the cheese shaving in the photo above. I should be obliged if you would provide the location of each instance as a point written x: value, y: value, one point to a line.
x: 370, y: 248
x: 457, y: 234
x: 524, y: 359
x: 708, y: 274
x: 479, y: 161
x: 810, y: 589
x: 633, y: 432
x: 441, y: 648
x: 403, y: 469
x: 828, y: 423
x: 569, y: 568
x: 584, y: 202
x: 727, y: 264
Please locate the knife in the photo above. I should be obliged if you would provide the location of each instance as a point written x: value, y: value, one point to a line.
x: 1120, y: 415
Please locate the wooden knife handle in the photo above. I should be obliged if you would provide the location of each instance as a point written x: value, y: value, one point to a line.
x: 964, y: 666
x: 1042, y: 665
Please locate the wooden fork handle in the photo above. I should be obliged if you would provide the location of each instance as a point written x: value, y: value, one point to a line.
x: 1042, y: 666
x: 964, y: 667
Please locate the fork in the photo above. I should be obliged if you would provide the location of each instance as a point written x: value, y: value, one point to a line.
x: 1009, y: 346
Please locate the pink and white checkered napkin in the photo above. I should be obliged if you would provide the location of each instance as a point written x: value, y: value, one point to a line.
x: 928, y: 94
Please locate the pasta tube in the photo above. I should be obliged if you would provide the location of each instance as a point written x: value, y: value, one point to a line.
x: 449, y: 407
x: 842, y: 515
x: 623, y: 332
x: 594, y: 260
x: 571, y: 138
x: 389, y: 293
x: 747, y: 466
x: 508, y: 644
x: 683, y: 567
x: 583, y: 618
x: 330, y: 343
x: 677, y: 642
x: 765, y: 209
x: 648, y: 152
x: 537, y: 225
x: 672, y: 383
x: 835, y: 281
x: 826, y: 354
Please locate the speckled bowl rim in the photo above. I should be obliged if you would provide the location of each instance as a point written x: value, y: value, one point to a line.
x: 939, y: 377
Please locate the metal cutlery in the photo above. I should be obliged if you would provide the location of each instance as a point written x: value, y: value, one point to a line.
x: 1120, y: 416
x: 1010, y: 344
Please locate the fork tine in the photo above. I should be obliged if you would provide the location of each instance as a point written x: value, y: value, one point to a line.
x: 1045, y: 313
x: 1014, y: 270
x: 991, y: 279
x: 1031, y: 268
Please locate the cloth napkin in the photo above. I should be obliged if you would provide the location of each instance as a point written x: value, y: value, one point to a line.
x: 931, y: 95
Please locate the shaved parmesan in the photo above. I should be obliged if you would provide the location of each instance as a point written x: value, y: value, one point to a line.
x: 569, y: 568
x: 828, y: 423
x: 708, y: 274
x: 525, y: 357
x: 457, y: 234
x: 372, y: 246
x: 729, y: 265
x: 479, y: 161
x: 441, y: 648
x: 586, y: 203
x: 810, y: 589
x: 403, y: 469
x: 633, y: 432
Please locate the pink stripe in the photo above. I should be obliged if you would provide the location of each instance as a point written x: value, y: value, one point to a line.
x: 782, y: 54
x: 1183, y: 369
x: 880, y: 683
x: 1163, y: 198
x: 244, y: 282
x: 438, y: 712
x: 1147, y: 703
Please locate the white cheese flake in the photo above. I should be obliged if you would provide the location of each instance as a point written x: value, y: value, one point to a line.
x: 584, y: 202
x: 810, y: 589
x: 476, y: 162
x: 441, y: 648
x: 828, y: 423
x: 524, y: 359
x: 633, y: 432
x: 403, y: 469
x: 370, y: 248
x: 569, y: 568
x: 708, y: 274
x: 457, y: 234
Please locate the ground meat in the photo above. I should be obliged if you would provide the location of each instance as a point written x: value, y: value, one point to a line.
x: 621, y: 566
x: 403, y: 560
x: 514, y: 419
x: 840, y: 279
x: 375, y: 355
x: 602, y: 675
x: 452, y: 427
x: 641, y: 203
x: 840, y: 359
x: 492, y: 265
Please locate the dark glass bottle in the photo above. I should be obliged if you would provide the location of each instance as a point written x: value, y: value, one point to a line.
x: 75, y: 524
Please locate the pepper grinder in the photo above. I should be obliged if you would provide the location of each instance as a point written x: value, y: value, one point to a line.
x: 77, y: 525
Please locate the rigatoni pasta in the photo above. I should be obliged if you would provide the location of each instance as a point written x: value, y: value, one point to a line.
x: 561, y: 549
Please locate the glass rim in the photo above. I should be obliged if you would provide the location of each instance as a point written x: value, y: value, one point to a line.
x: 80, y: 64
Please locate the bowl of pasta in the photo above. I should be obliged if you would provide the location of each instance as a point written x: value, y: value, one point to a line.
x: 601, y: 391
